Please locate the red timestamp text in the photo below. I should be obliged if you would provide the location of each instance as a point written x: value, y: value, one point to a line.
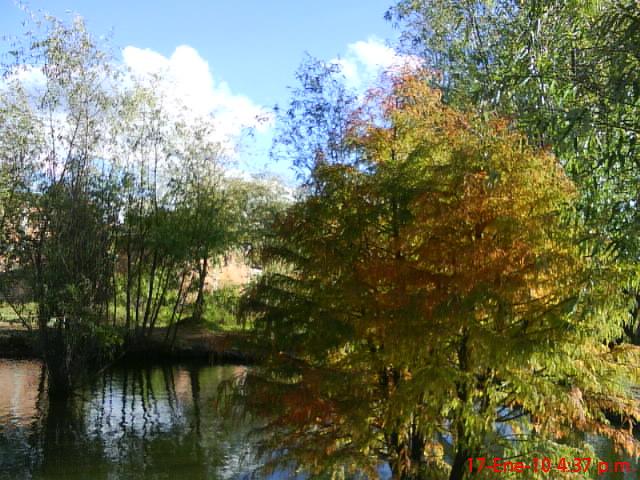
x: 546, y: 465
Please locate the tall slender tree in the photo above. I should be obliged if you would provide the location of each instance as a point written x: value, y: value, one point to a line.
x: 62, y: 231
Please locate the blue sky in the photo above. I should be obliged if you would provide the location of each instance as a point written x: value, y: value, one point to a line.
x: 245, y: 52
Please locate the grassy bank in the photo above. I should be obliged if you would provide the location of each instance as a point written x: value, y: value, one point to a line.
x: 193, y: 341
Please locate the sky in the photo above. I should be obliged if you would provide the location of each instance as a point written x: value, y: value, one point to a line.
x: 236, y: 58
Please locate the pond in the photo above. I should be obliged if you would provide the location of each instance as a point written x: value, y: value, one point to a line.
x: 148, y: 422
x: 135, y: 422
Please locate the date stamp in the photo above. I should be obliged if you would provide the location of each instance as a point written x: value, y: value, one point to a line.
x: 546, y: 465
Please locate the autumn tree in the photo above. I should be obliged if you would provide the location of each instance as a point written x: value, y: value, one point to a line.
x: 428, y: 302
x: 566, y: 73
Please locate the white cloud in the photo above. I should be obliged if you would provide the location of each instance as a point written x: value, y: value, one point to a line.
x: 186, y: 80
x: 373, y: 54
x: 31, y: 77
x: 366, y: 60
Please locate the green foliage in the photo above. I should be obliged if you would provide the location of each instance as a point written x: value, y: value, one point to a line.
x: 567, y: 74
x: 112, y: 205
x: 222, y: 308
x: 429, y: 301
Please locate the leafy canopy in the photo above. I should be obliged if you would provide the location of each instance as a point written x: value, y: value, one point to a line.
x: 427, y: 301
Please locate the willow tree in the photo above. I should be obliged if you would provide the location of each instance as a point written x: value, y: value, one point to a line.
x: 568, y: 73
x: 428, y: 302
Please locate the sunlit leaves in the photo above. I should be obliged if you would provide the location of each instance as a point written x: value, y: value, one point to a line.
x: 434, y: 289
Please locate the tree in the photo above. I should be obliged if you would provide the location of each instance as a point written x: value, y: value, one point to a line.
x: 61, y: 226
x: 201, y: 195
x: 314, y: 127
x: 429, y: 303
x: 115, y: 199
x: 566, y: 73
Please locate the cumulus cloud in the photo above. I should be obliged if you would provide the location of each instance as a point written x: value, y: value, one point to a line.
x: 365, y: 60
x: 188, y: 85
x: 32, y: 78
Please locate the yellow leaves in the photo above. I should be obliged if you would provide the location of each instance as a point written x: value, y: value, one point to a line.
x: 623, y: 440
x: 446, y: 266
x: 485, y: 204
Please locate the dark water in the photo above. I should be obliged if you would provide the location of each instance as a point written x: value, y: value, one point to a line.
x: 147, y: 422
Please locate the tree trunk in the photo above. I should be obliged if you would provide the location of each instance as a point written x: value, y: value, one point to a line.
x: 149, y: 303
x: 459, y: 466
x: 199, y: 306
x: 159, y: 301
x: 463, y: 452
x: 129, y: 282
x: 175, y: 307
x: 138, y: 292
x: 58, y: 362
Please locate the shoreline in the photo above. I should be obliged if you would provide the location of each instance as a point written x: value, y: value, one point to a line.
x: 192, y: 344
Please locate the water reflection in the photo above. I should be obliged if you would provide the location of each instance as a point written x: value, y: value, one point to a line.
x: 19, y: 393
x: 137, y: 422
x: 145, y: 422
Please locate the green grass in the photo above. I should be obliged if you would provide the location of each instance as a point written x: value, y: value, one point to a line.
x: 220, y: 312
x: 9, y: 315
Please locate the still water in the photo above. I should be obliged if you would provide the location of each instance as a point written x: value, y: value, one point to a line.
x: 143, y: 422
x: 146, y: 422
